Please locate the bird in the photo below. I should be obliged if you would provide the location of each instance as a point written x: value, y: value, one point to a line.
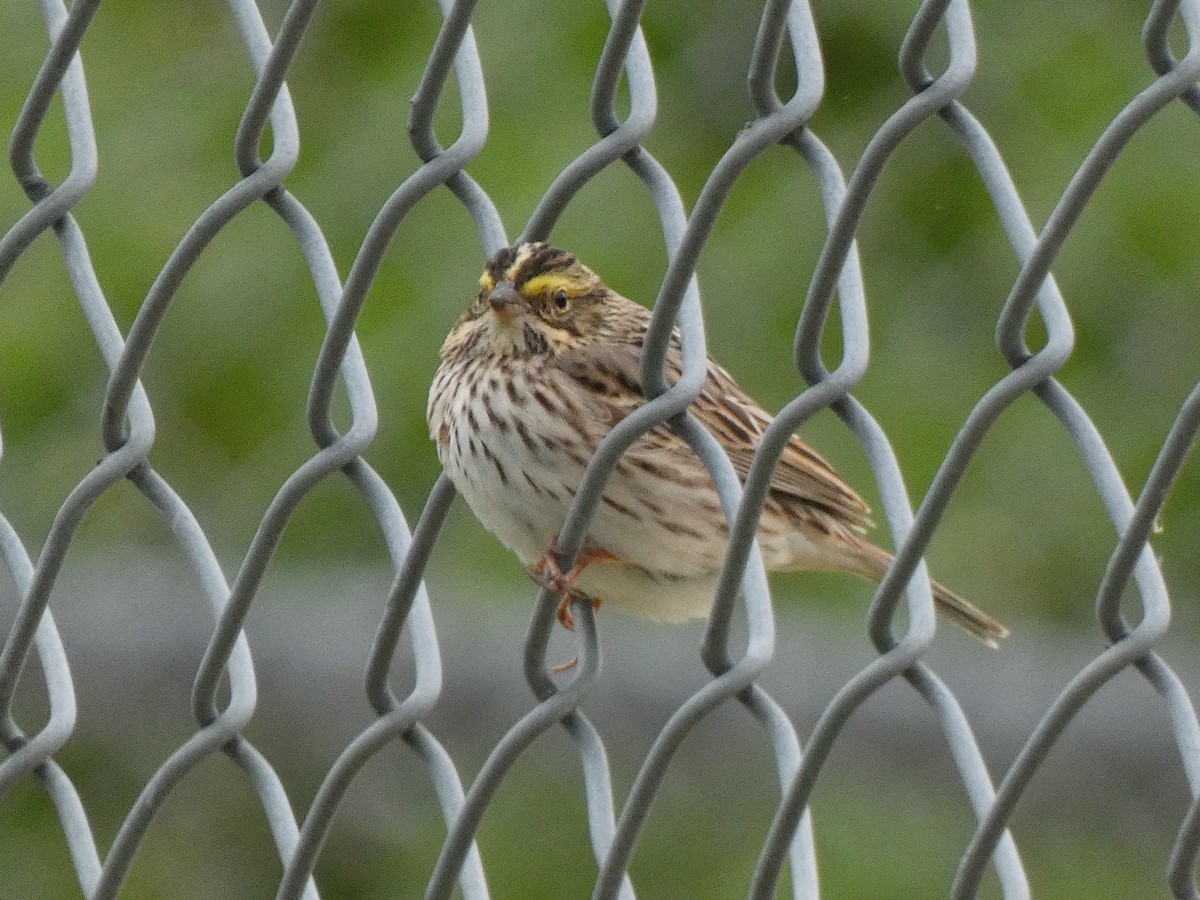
x: 539, y: 368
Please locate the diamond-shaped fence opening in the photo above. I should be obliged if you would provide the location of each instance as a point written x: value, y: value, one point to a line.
x: 219, y: 353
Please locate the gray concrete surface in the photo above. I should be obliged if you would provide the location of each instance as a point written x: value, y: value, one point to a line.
x: 134, y: 635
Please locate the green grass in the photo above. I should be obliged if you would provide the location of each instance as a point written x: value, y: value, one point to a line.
x: 879, y: 836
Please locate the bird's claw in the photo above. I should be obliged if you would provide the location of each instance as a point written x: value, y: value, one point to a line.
x: 564, y: 609
x: 548, y: 574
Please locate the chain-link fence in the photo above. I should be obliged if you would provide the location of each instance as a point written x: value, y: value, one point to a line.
x: 1034, y: 335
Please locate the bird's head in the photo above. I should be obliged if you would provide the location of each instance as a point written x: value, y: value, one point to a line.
x: 536, y: 299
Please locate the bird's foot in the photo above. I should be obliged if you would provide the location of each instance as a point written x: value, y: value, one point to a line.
x: 548, y: 574
x: 564, y: 610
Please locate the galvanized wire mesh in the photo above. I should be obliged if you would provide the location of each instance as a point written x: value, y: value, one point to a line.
x: 222, y: 715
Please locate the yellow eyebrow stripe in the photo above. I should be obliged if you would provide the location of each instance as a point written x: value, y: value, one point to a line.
x: 486, y: 281
x: 549, y: 283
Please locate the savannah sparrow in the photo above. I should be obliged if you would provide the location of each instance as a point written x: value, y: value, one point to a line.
x: 534, y: 374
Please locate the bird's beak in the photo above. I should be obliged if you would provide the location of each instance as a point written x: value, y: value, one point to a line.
x: 505, y: 300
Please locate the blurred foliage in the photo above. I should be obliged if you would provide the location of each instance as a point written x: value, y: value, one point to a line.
x: 699, y: 843
x: 229, y: 372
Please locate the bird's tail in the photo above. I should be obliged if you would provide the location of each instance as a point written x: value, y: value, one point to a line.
x: 872, y: 562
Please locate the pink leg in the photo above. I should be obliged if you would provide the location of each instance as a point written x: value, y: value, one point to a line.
x: 548, y: 574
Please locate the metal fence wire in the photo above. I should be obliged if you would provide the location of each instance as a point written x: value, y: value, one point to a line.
x: 224, y: 691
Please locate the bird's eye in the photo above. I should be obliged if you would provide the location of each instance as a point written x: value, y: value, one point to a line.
x: 561, y: 300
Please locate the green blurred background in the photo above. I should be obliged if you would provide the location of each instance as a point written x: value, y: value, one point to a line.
x: 1026, y: 536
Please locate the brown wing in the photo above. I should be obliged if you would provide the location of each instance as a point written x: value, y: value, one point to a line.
x: 609, y: 373
x: 801, y: 473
